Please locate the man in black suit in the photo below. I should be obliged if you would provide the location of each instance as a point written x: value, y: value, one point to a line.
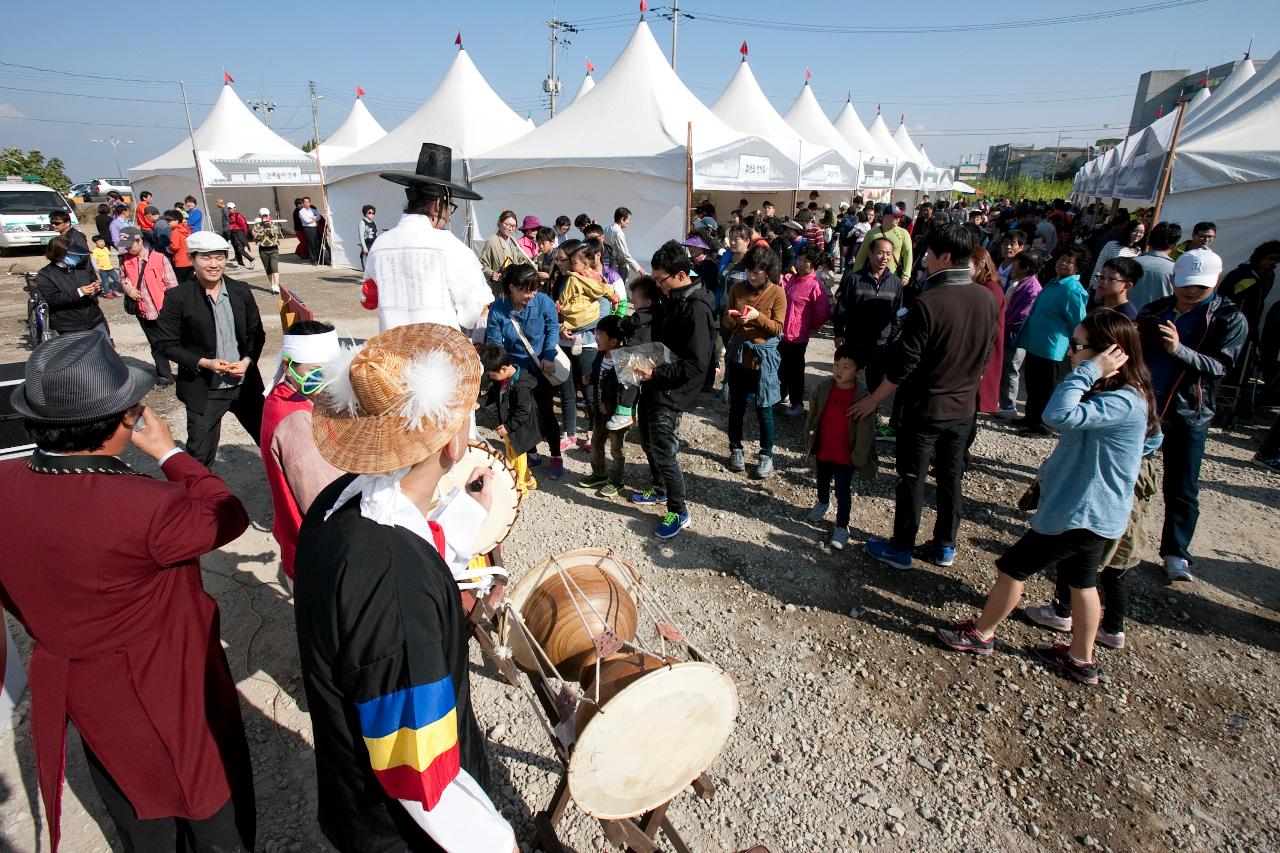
x: 211, y: 327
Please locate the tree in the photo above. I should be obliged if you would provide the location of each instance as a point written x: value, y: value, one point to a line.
x: 51, y: 172
x: 310, y: 145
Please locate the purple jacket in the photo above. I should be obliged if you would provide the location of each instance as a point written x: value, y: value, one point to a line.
x: 1018, y: 305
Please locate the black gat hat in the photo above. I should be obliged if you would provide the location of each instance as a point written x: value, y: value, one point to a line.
x: 435, y: 169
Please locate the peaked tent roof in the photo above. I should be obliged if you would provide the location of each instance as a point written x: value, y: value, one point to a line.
x: 880, y: 135
x: 1199, y: 98
x: 1239, y: 82
x: 229, y: 128
x: 640, y: 85
x: 924, y: 157
x: 744, y: 106
x: 358, y: 130
x: 463, y: 113
x: 588, y: 83
x: 808, y: 119
x: 908, y: 147
x: 851, y: 128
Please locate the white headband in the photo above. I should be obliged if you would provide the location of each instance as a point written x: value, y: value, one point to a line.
x: 305, y: 349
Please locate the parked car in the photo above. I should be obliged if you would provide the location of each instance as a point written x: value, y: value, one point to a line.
x: 24, y: 213
x: 99, y: 187
x: 80, y: 191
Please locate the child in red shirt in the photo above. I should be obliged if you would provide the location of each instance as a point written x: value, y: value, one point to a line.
x: 840, y: 445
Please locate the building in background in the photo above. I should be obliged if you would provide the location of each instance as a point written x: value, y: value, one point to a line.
x: 1159, y: 91
x: 970, y: 169
x: 1053, y: 162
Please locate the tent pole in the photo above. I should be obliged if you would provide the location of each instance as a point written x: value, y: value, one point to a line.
x: 324, y: 195
x: 688, y: 178
x: 195, y: 155
x: 466, y: 177
x: 795, y: 196
x: 1166, y: 175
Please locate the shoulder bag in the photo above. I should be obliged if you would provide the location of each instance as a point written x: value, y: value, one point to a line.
x: 560, y: 370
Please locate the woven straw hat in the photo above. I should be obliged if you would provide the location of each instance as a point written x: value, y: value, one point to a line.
x: 396, y: 401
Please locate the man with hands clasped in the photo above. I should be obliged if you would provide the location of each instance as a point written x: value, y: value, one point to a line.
x: 210, y: 326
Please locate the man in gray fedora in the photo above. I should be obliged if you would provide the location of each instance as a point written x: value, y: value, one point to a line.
x: 127, y: 643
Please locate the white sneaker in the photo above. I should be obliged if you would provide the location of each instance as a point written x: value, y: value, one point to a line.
x: 1111, y: 641
x: 617, y: 422
x: 1007, y: 414
x: 1045, y: 616
x: 1177, y: 569
x: 275, y: 289
x: 839, y: 538
x: 819, y: 511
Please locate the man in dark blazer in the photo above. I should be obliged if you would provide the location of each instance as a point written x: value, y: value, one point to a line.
x: 126, y: 640
x: 211, y: 327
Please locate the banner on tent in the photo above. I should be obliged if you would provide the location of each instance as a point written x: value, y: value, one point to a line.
x: 753, y: 167
x: 875, y: 174
x: 261, y: 172
x: 930, y: 178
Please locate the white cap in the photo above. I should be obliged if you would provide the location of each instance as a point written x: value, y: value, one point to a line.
x: 231, y: 204
x: 1197, y: 268
x: 206, y: 241
x: 264, y: 211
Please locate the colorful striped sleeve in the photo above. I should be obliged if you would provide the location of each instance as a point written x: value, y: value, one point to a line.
x: 412, y: 739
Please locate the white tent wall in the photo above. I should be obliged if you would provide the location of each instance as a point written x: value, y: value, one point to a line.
x: 656, y: 204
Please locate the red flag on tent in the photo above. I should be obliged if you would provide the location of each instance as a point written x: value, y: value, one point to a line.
x: 1204, y: 81
x: 902, y: 118
x: 226, y: 78
x: 458, y: 40
x: 359, y: 92
x: 743, y: 50
x: 590, y: 67
x: 644, y: 7
x: 1159, y: 111
x: 807, y: 74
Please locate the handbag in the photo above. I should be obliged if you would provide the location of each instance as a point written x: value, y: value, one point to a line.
x: 131, y: 304
x: 560, y: 369
x: 1030, y: 500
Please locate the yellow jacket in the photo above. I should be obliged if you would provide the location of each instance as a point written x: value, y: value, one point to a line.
x: 577, y: 302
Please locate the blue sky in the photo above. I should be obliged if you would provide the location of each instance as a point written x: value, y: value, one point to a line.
x: 960, y: 90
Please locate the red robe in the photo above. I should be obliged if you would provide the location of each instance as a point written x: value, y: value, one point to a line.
x: 101, y: 566
x: 989, y: 387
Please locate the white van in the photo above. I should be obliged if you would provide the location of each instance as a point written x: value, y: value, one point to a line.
x: 24, y: 213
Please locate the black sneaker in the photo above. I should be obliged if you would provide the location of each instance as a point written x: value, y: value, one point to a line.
x: 964, y: 637
x: 1057, y: 657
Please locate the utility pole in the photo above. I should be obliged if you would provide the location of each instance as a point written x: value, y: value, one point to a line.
x: 551, y: 85
x: 262, y: 105
x: 315, y: 152
x: 673, y: 14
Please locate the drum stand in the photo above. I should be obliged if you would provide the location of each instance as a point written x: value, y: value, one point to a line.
x: 555, y: 710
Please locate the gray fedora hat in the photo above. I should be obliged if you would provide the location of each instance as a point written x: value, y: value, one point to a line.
x: 77, y: 378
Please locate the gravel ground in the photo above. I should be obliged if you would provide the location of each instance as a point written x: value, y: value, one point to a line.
x: 856, y: 729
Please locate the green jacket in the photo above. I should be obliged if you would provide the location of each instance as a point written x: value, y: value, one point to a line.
x: 862, y: 432
x: 901, y: 241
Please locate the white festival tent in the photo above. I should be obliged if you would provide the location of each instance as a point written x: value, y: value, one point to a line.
x: 574, y: 163
x: 359, y: 129
x: 927, y: 180
x: 878, y: 166
x: 463, y: 113
x: 945, y: 181
x: 1227, y: 168
x: 838, y: 170
x: 588, y: 83
x: 241, y: 159
x: 904, y: 176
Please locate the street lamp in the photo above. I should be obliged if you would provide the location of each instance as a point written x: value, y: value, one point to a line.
x: 115, y: 145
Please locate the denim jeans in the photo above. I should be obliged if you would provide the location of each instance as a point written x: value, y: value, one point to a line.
x: 580, y: 365
x: 792, y: 371
x: 1183, y: 450
x: 1010, y: 373
x: 743, y: 383
x: 659, y: 435
x: 1042, y: 377
x: 110, y: 281
x: 919, y: 442
x: 843, y: 476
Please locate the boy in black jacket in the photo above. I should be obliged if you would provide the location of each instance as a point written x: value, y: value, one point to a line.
x: 608, y: 399
x: 517, y: 413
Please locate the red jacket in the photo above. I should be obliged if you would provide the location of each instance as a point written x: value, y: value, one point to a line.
x: 989, y: 387
x: 236, y: 222
x: 126, y: 639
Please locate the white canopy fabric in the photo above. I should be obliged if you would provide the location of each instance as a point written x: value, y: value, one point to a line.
x: 588, y: 83
x: 463, y: 113
x: 877, y: 166
x: 239, y: 156
x: 924, y: 177
x: 743, y: 106
x: 806, y: 118
x: 574, y: 161
x: 359, y: 129
x: 1240, y: 75
x: 908, y: 147
x: 962, y: 187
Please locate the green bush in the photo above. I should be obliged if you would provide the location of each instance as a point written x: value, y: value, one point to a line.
x: 1033, y: 188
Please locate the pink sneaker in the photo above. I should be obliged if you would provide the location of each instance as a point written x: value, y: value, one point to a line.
x: 1111, y: 641
x: 1045, y: 616
x: 567, y: 443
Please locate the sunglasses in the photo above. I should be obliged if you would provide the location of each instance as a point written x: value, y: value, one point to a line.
x: 1077, y: 346
x: 308, y: 383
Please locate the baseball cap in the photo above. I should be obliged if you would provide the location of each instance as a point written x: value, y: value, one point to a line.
x: 1197, y: 268
x: 231, y: 204
x: 263, y: 211
x: 127, y: 235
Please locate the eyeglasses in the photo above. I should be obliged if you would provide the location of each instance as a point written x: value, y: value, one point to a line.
x: 1105, y: 277
x: 1076, y: 346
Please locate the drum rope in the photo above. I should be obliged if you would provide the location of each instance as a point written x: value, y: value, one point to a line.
x: 527, y: 690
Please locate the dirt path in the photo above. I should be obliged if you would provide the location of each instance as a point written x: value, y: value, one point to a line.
x: 855, y: 729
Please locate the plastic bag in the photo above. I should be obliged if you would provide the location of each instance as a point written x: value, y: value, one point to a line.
x: 647, y: 356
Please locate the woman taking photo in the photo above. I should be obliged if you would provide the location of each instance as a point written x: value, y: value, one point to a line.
x: 753, y: 317
x: 147, y: 275
x: 501, y: 250
x: 71, y: 293
x: 523, y: 322
x: 1107, y: 416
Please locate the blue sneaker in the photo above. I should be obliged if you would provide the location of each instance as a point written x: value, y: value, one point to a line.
x: 651, y: 495
x: 534, y: 459
x: 942, y: 555
x: 672, y: 523
x: 882, y: 550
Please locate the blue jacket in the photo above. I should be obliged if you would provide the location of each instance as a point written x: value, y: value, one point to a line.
x: 539, y: 323
x: 1057, y: 311
x: 769, y: 391
x: 195, y: 218
x: 1087, y: 482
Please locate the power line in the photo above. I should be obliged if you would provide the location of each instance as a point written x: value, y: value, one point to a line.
x: 115, y: 98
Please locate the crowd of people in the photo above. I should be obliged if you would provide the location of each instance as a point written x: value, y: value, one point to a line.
x: 1117, y: 337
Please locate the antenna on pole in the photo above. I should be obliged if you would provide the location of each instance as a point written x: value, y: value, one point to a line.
x: 1248, y: 50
